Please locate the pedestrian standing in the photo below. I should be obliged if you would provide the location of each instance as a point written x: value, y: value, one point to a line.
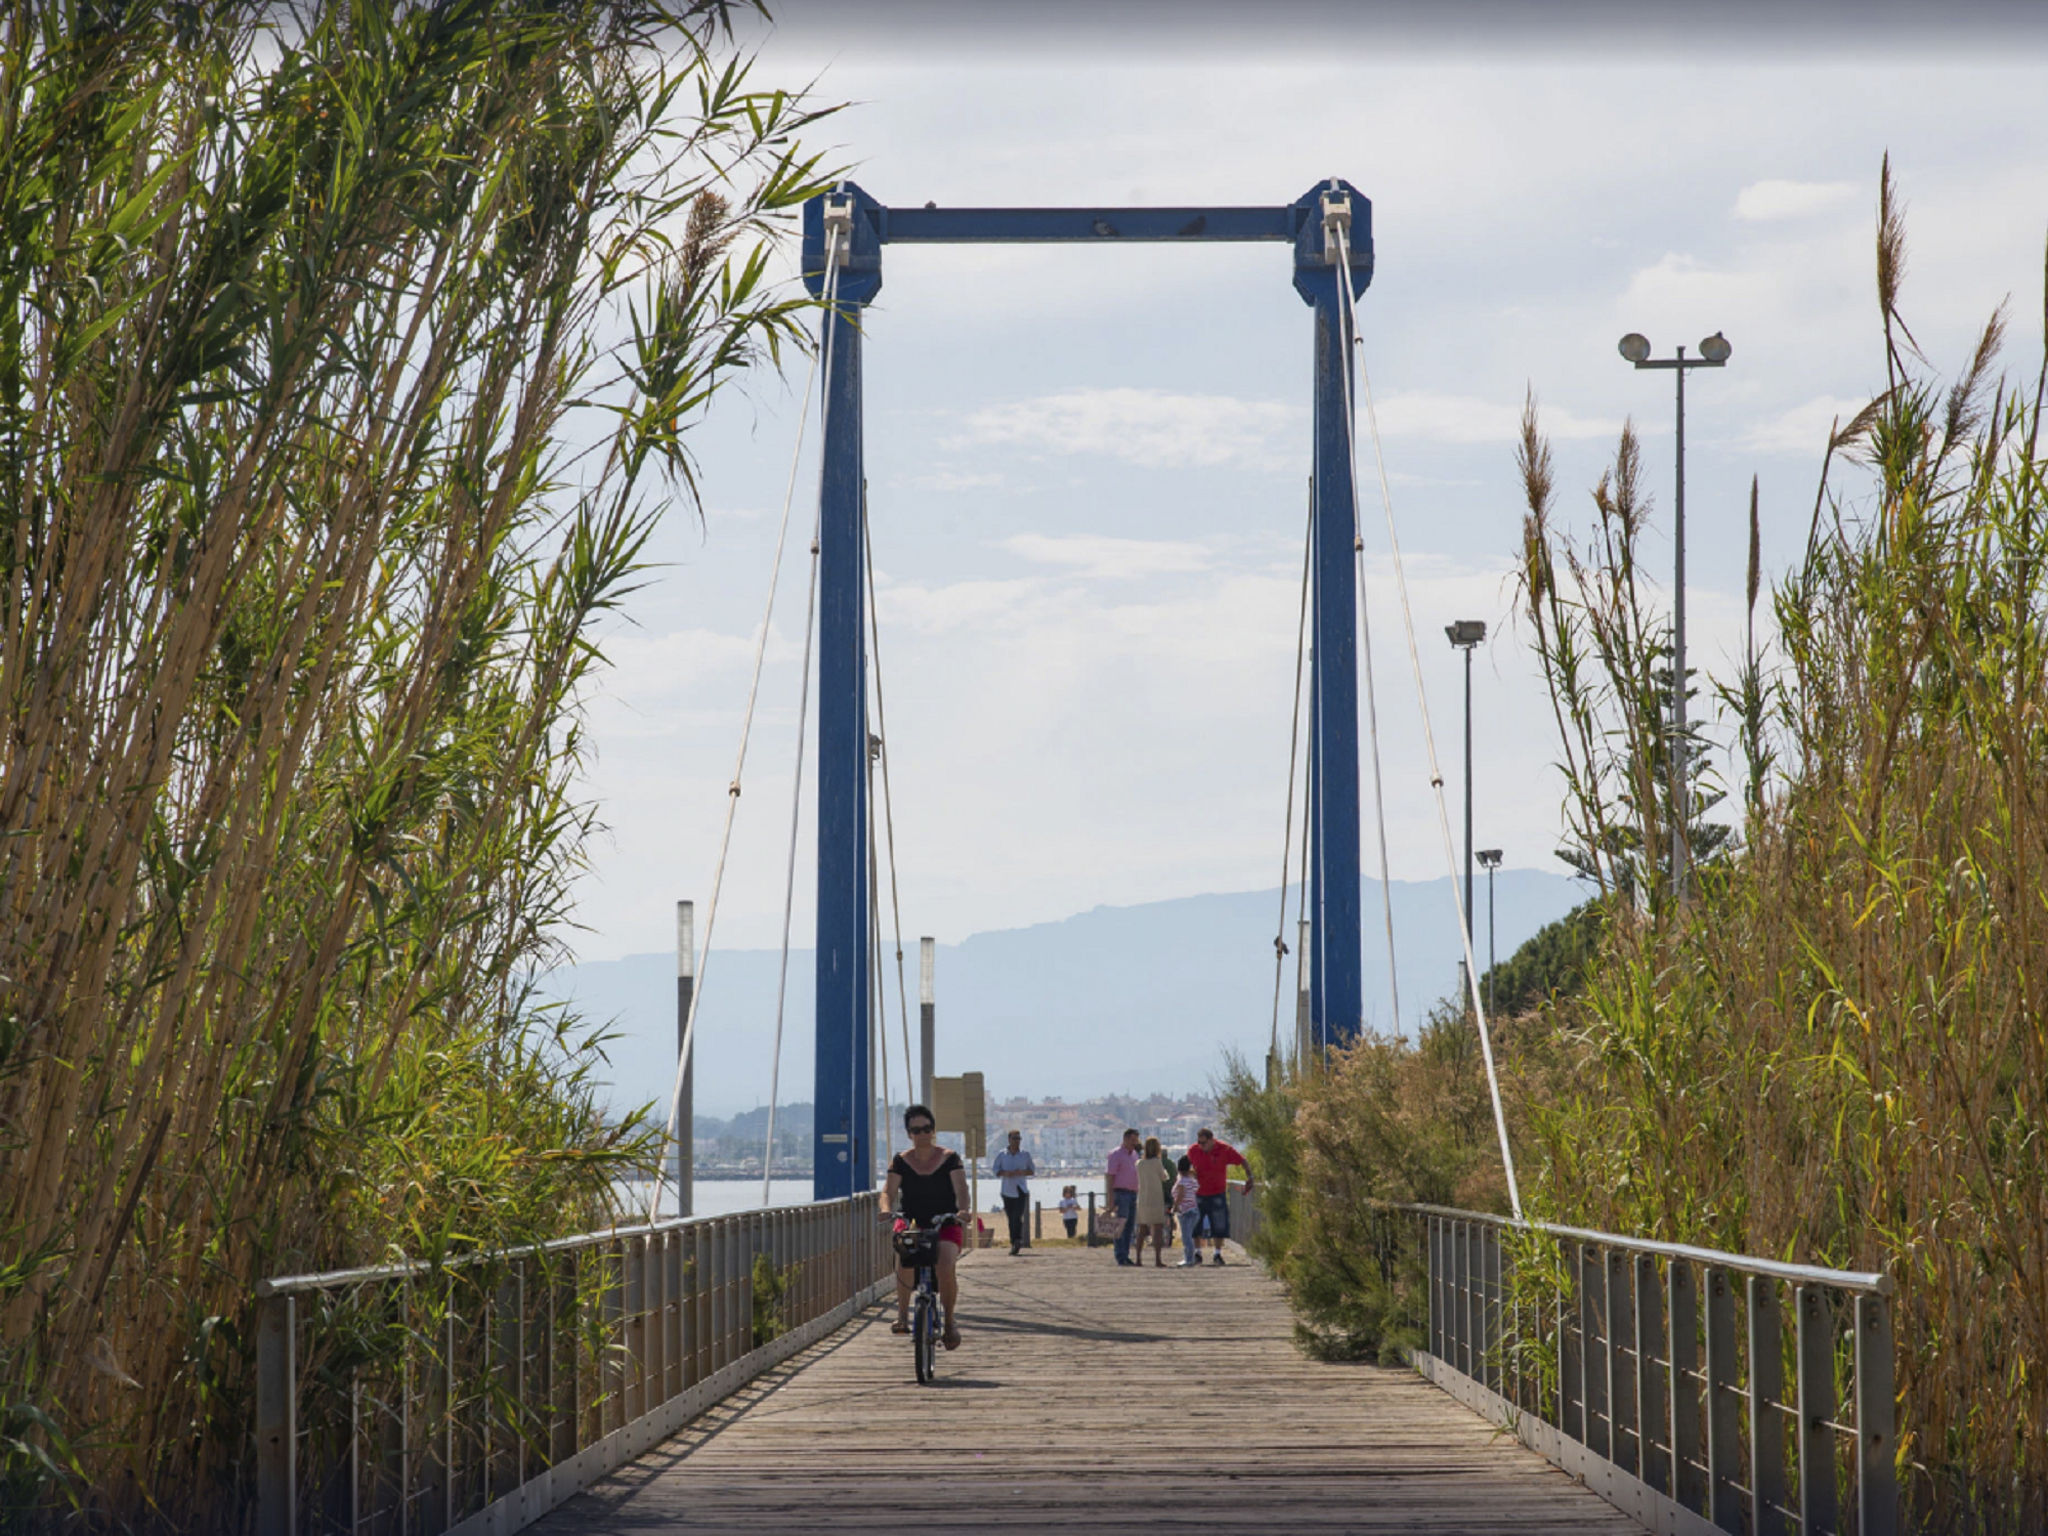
x: 1120, y: 1182
x: 1014, y: 1167
x: 1187, y: 1211
x: 1212, y: 1158
x: 1070, y: 1209
x: 1155, y: 1176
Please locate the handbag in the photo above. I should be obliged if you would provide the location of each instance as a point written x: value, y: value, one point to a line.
x: 1109, y: 1226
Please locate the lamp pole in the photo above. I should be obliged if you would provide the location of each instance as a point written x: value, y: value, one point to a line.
x: 1713, y: 354
x: 1465, y: 635
x: 1489, y: 860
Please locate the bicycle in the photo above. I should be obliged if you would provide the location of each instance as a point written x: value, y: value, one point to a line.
x: 916, y: 1249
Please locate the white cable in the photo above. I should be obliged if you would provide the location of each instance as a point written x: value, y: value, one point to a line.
x: 877, y: 994
x: 1293, y: 757
x: 1336, y: 231
x: 1372, y: 703
x: 673, y: 1126
x: 888, y: 807
x: 796, y: 805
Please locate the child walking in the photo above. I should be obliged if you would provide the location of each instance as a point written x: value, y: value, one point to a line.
x: 1188, y: 1211
x: 1070, y: 1209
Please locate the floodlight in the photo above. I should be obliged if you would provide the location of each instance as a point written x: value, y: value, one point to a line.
x: 1635, y: 346
x: 1715, y: 348
x: 1489, y: 858
x: 1466, y: 632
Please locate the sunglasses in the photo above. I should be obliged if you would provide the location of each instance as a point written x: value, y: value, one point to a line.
x: 919, y: 1130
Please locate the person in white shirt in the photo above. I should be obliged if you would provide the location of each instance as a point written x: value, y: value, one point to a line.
x: 1013, y: 1165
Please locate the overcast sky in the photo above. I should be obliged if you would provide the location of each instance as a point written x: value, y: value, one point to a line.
x: 1088, y: 466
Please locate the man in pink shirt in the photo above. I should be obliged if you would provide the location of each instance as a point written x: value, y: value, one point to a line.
x: 1120, y: 1181
x: 1212, y: 1157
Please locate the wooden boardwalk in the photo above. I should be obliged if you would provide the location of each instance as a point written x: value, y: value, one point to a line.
x: 1087, y: 1397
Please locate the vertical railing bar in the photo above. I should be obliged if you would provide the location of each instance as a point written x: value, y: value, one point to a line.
x: 449, y: 1388
x: 1682, y: 1355
x: 1651, y: 1410
x: 1571, y: 1411
x: 1877, y: 1491
x: 355, y: 1452
x: 1723, y: 1451
x: 1819, y: 1511
x: 1624, y: 1440
x: 1766, y: 1428
x: 1594, y: 1347
x: 277, y: 1426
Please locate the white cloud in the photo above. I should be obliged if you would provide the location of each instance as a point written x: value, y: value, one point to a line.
x: 1768, y: 201
x: 1148, y: 427
x: 1114, y: 559
x: 1803, y: 428
x: 949, y: 480
x: 1441, y: 418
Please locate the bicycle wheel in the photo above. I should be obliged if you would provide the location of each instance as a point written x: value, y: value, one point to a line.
x: 924, y: 1335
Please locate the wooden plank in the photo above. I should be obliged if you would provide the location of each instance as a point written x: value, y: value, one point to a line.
x: 1090, y: 1398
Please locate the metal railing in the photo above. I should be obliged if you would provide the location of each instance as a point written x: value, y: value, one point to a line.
x: 421, y: 1400
x: 1667, y: 1377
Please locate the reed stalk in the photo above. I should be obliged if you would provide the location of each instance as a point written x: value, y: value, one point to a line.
x: 1834, y: 1052
x: 346, y: 356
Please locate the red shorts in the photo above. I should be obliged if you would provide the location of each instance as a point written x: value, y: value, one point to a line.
x: 949, y: 1232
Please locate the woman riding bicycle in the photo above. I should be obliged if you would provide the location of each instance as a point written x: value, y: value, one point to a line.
x: 925, y: 1183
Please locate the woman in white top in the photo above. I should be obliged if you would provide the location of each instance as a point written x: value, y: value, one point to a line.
x: 1155, y: 1173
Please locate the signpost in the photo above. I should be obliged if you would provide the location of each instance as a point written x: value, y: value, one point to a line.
x: 961, y: 1104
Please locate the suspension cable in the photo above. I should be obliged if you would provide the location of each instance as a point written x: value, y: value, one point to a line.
x: 671, y: 1129
x: 1293, y: 755
x: 888, y: 807
x: 877, y: 995
x: 1335, y: 230
x: 1372, y: 703
x: 796, y: 805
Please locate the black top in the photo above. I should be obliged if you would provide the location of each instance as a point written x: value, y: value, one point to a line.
x: 925, y: 1196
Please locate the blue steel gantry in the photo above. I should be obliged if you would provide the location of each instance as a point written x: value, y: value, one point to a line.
x: 860, y: 226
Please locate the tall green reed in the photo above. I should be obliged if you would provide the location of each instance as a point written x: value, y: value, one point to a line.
x: 1834, y: 1051
x: 346, y: 355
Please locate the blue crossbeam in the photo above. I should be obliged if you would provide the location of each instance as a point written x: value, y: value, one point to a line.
x: 980, y: 226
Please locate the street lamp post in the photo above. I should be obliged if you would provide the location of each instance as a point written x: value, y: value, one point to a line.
x: 1465, y: 635
x: 1713, y: 354
x: 1489, y: 860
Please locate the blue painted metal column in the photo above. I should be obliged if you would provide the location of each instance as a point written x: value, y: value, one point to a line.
x: 842, y: 1150
x: 1336, y: 1001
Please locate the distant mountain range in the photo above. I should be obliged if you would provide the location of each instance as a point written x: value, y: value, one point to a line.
x: 1115, y: 1000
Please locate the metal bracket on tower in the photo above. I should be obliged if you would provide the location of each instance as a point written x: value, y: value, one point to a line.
x: 838, y: 214
x: 1336, y: 220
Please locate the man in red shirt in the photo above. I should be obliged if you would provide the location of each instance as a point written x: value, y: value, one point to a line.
x: 1211, y: 1157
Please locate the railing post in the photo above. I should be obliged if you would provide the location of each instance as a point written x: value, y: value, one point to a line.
x: 1723, y: 1452
x: 565, y: 1314
x: 1818, y: 1507
x: 1463, y: 1242
x: 1682, y: 1354
x: 1571, y: 1386
x: 1594, y: 1347
x: 1434, y: 1283
x: 1766, y: 1392
x: 1652, y: 1414
x: 1877, y: 1488
x: 1475, y: 1246
x: 277, y: 1430
x: 1625, y: 1440
x: 633, y: 1327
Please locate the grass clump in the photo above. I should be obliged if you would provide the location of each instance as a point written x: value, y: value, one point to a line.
x: 346, y: 353
x: 1384, y: 1120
